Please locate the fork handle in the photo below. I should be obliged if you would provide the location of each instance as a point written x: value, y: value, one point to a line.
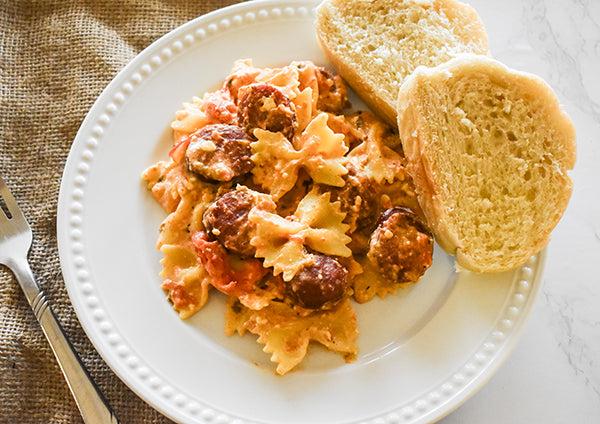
x: 92, y: 405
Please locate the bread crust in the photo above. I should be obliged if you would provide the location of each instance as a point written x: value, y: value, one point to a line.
x: 420, y: 169
x: 468, y: 35
x: 417, y: 138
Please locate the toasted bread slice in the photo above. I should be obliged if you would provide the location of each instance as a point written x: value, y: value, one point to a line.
x: 375, y: 44
x: 489, y: 149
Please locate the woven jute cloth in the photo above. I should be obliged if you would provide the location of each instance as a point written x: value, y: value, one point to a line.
x: 56, y: 57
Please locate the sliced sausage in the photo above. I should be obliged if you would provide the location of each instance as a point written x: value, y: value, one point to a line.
x: 321, y: 281
x: 333, y: 94
x: 219, y: 152
x: 401, y: 247
x: 226, y: 219
x: 264, y: 106
x: 358, y: 198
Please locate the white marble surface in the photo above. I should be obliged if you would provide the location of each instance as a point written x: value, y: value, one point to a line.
x: 553, y: 375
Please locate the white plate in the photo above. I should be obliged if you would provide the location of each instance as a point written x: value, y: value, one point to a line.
x: 422, y: 352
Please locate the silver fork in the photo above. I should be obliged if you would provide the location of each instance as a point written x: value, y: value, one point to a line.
x: 15, y: 242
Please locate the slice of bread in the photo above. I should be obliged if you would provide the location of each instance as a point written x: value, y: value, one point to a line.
x: 375, y: 44
x: 489, y: 149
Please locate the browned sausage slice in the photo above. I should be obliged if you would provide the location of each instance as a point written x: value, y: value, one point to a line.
x: 401, y: 247
x: 219, y: 152
x: 226, y: 219
x: 358, y: 198
x: 324, y: 280
x: 333, y: 94
x: 265, y: 106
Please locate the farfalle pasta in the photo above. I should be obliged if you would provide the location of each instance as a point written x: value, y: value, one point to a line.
x: 320, y: 153
x: 293, y: 209
x: 282, y: 242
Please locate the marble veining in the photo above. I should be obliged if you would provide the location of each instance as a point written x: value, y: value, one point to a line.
x: 567, y: 46
x: 553, y: 376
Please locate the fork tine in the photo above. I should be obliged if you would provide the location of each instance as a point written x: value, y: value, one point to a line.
x: 15, y: 241
x: 10, y: 202
x: 4, y: 193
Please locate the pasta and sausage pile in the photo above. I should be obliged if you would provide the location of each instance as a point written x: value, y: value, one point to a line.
x: 289, y: 207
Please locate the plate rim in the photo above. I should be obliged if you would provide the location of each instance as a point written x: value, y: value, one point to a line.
x: 423, y: 408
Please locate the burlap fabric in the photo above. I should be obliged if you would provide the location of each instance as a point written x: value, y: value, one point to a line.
x: 56, y: 58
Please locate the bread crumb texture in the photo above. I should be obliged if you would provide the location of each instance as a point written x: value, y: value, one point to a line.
x: 491, y: 149
x: 385, y: 40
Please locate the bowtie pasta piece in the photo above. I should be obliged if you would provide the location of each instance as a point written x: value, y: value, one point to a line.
x: 317, y: 223
x: 320, y: 152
